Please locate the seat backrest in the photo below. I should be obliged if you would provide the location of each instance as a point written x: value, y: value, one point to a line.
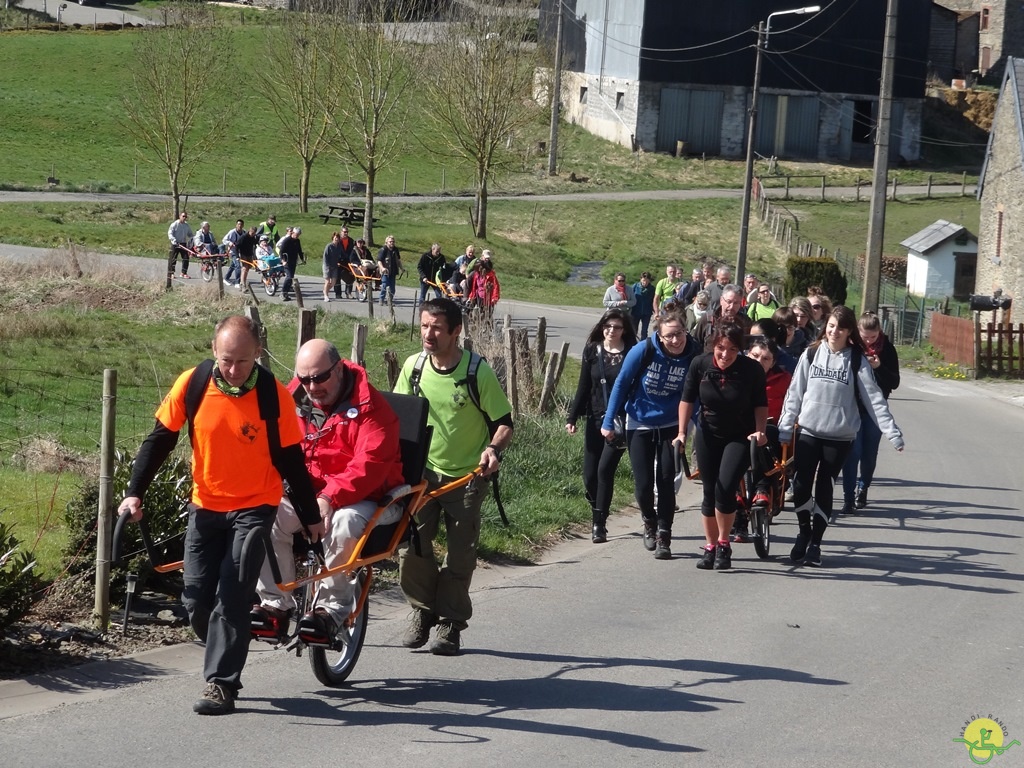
x: 414, y: 434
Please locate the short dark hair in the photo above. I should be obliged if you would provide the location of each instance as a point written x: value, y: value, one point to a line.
x: 730, y: 331
x: 445, y: 308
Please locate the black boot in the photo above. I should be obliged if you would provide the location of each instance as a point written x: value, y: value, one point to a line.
x: 650, y: 534
x: 600, y: 531
x: 800, y: 545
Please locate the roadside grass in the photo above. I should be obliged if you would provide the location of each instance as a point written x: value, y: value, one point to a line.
x: 51, y: 395
x: 71, y: 127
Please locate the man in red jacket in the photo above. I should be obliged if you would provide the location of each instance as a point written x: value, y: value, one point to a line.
x: 350, y: 441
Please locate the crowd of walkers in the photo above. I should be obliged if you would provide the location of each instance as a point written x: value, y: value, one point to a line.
x: 723, y: 365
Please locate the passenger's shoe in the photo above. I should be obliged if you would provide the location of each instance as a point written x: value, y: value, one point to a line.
x: 599, y: 535
x: 813, y: 556
x: 186, y: 276
x: 650, y: 534
x: 317, y: 627
x: 862, y: 497
x: 268, y: 622
x: 707, y: 558
x: 217, y: 699
x: 740, y: 528
x: 663, y: 545
x: 418, y: 631
x: 761, y: 500
x: 800, y: 545
x: 723, y: 558
x: 447, y: 641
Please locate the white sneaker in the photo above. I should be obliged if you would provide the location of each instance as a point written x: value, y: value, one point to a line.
x: 327, y: 298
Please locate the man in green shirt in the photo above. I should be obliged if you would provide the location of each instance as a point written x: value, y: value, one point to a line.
x: 666, y: 287
x: 470, y: 429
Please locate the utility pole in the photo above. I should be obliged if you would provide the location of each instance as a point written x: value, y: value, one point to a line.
x: 556, y: 95
x: 748, y: 178
x: 879, y: 180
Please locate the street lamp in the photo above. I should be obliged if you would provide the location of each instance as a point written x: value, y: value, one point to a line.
x: 763, y: 29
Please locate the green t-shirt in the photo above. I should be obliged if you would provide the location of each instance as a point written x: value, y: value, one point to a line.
x: 460, y: 430
x: 664, y: 290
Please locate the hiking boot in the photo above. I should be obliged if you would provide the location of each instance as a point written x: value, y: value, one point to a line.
x: 862, y: 497
x: 813, y: 556
x: 317, y: 627
x: 447, y: 641
x: 217, y: 699
x: 268, y: 622
x: 663, y: 545
x: 800, y: 545
x: 740, y: 528
x: 650, y: 534
x: 707, y: 558
x: 286, y: 297
x: 418, y: 631
x: 723, y: 558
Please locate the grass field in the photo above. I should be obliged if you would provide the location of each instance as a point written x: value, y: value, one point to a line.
x: 67, y: 122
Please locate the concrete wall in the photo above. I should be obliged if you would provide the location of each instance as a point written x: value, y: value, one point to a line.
x: 1003, y: 193
x: 603, y: 113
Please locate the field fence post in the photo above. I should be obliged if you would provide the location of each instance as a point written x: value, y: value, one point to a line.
x: 105, y: 502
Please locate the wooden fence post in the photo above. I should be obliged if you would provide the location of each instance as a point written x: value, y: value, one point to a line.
x: 547, y: 391
x: 392, y: 366
x: 358, y: 345
x: 253, y: 313
x: 542, y: 339
x: 105, y: 502
x: 511, y: 374
x: 562, y: 355
x: 307, y: 326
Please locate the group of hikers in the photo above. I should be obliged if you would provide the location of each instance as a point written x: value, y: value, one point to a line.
x: 348, y: 266
x: 334, y: 439
x: 725, y: 365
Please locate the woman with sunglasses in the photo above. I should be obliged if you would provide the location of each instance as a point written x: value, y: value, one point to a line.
x: 648, y: 389
x: 831, y: 386
x: 733, y: 409
x: 821, y: 307
x: 619, y: 294
x: 603, y: 354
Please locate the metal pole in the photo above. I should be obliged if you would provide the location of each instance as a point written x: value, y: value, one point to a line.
x: 748, y: 178
x: 556, y: 95
x: 876, y: 223
x: 105, y: 504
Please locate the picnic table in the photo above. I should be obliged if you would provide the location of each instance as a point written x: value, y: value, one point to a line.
x: 345, y: 214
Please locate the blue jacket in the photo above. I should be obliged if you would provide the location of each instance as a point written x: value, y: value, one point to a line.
x: 644, y: 307
x: 650, y: 396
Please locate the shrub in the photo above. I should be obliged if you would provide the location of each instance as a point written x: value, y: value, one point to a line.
x: 801, y: 273
x: 18, y: 579
x: 166, y: 511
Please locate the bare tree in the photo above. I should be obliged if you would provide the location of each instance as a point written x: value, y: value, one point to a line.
x: 170, y: 103
x: 372, y: 109
x: 478, y: 84
x: 298, y: 79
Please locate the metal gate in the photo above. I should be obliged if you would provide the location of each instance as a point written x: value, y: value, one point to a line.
x: 691, y: 116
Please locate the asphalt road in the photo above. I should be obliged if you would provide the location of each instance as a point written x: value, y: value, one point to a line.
x: 602, y: 656
x: 87, y: 14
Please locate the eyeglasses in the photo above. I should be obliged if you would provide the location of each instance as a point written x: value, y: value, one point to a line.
x: 619, y: 280
x: 316, y: 378
x: 764, y: 291
x: 612, y: 327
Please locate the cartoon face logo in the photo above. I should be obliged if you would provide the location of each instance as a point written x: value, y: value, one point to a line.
x: 250, y: 431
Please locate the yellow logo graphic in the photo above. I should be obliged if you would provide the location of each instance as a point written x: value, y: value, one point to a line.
x: 985, y: 738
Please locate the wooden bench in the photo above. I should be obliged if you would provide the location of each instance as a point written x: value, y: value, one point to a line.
x: 345, y: 214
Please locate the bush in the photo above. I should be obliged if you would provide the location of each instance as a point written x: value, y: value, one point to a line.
x: 18, y: 580
x: 801, y: 273
x: 166, y: 510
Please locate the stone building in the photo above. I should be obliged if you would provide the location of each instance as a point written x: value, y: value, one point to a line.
x: 652, y: 73
x: 1001, y: 191
x: 999, y: 26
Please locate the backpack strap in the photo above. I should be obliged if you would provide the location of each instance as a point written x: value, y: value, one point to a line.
x: 194, y: 394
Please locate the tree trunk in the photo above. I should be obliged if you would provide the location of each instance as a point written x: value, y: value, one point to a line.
x: 371, y: 177
x: 481, y: 209
x: 307, y: 164
x: 175, y: 193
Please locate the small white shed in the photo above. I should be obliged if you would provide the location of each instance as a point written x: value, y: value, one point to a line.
x: 942, y: 261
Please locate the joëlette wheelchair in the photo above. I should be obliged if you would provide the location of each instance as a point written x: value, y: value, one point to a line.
x: 332, y: 662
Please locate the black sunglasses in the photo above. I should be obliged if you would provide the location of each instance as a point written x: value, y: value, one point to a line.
x: 316, y: 378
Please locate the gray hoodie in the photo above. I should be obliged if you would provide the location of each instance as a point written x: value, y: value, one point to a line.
x: 822, y: 400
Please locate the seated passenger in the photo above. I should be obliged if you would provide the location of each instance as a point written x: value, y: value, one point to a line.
x: 353, y: 457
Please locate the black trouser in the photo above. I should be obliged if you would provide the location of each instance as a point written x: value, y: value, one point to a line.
x: 172, y: 258
x: 651, y: 456
x: 824, y: 458
x: 722, y: 464
x: 600, y: 460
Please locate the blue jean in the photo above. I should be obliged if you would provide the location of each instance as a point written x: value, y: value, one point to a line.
x: 387, y: 288
x: 863, y: 452
x: 423, y: 291
x: 217, y: 603
x: 235, y: 269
